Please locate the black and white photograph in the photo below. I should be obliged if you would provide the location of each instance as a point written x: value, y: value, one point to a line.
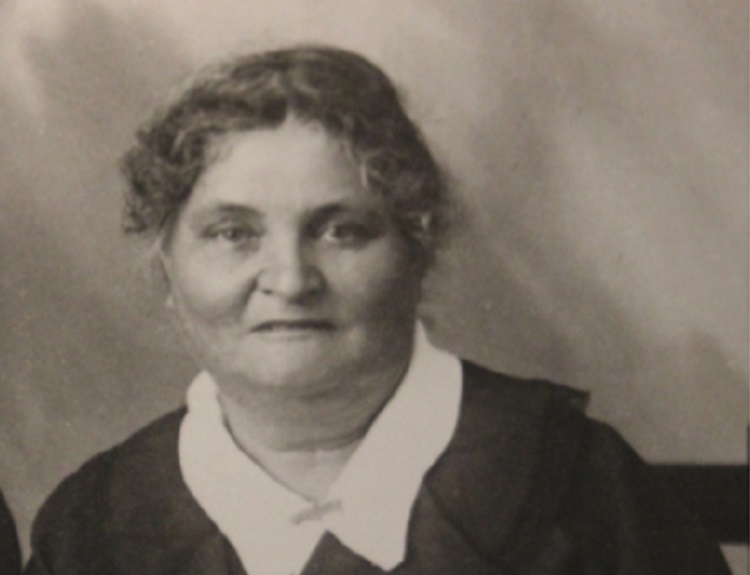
x: 420, y: 287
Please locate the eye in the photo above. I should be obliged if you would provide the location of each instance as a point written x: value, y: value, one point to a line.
x: 346, y: 233
x: 234, y: 235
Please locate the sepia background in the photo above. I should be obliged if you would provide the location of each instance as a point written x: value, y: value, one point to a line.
x: 600, y: 150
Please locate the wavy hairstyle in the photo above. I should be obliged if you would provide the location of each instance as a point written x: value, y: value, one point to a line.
x: 351, y: 98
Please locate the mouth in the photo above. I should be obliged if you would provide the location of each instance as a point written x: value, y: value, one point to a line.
x: 293, y: 326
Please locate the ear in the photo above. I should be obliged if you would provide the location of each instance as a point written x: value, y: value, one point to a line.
x: 163, y: 267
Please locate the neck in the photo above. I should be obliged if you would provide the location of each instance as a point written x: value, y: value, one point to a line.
x: 304, y: 441
x: 277, y: 419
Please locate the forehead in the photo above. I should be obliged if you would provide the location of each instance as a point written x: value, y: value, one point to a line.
x: 295, y: 166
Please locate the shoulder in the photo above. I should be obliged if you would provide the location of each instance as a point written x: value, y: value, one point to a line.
x: 151, y: 450
x: 527, y: 409
x: 531, y: 476
x: 131, y: 488
x: 618, y: 508
x: 511, y: 457
x: 521, y: 393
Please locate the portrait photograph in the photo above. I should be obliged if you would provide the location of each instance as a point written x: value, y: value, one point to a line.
x: 374, y: 286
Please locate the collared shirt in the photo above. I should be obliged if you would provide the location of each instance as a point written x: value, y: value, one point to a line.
x: 275, y: 530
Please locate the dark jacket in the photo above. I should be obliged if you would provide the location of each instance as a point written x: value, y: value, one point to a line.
x: 10, y: 555
x: 528, y: 485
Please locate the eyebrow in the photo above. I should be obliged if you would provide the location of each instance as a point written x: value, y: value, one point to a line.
x: 327, y: 211
x: 334, y: 208
x: 315, y: 214
x: 208, y: 213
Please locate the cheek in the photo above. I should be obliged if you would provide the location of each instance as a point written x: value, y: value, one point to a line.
x: 206, y: 315
x: 204, y: 294
x: 382, y: 285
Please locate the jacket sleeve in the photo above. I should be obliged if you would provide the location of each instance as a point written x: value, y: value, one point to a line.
x: 628, y: 523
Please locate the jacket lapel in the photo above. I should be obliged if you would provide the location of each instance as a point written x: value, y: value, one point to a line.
x: 146, y: 556
x: 331, y: 557
x: 467, y: 518
x: 159, y: 527
x: 437, y: 546
x: 470, y: 500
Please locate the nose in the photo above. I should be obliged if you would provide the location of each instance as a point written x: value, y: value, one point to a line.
x: 289, y: 272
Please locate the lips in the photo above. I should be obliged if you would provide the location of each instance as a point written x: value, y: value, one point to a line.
x: 292, y: 326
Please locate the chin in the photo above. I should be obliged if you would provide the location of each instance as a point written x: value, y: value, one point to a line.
x: 293, y: 372
x: 298, y: 383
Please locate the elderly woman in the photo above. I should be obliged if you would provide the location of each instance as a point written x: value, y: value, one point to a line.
x: 296, y: 209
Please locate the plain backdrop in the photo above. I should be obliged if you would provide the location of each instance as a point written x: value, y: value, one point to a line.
x: 600, y: 150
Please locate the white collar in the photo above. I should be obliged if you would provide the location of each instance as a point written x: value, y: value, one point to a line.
x: 369, y: 505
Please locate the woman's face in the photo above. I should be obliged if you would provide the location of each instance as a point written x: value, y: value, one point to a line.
x: 285, y: 271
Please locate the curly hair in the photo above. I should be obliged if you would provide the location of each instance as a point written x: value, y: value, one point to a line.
x: 344, y: 93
